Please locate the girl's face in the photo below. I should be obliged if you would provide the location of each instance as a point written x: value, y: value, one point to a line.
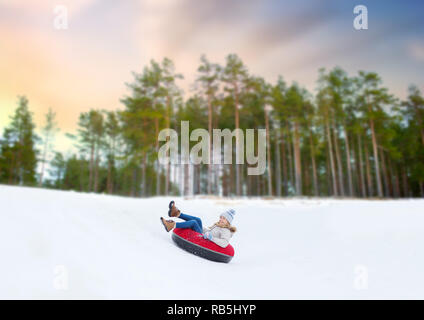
x: 222, y: 220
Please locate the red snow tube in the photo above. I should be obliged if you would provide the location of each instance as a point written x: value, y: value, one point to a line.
x: 193, y: 242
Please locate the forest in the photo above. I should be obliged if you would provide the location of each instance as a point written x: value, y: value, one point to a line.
x: 349, y: 138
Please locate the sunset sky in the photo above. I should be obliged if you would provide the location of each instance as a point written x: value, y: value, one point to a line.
x: 87, y: 65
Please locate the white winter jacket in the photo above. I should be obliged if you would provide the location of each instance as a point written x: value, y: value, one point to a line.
x: 220, y: 235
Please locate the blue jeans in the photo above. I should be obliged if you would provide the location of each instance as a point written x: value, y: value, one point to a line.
x: 191, y: 222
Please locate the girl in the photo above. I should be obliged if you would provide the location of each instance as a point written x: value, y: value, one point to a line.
x: 220, y: 233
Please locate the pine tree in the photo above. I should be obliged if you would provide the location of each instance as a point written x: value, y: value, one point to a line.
x: 58, y: 165
x: 112, y: 132
x: 90, y: 137
x: 18, y: 153
x: 373, y: 99
x: 208, y: 78
x: 234, y: 75
x: 278, y: 102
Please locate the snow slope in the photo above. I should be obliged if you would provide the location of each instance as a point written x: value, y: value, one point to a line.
x: 60, y: 245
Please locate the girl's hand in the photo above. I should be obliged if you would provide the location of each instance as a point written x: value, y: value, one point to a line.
x: 207, y: 235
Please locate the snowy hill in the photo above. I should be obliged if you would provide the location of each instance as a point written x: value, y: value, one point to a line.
x: 57, y: 244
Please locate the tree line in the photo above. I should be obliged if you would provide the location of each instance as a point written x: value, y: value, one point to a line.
x: 350, y: 138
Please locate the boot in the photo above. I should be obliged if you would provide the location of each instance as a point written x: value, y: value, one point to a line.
x: 168, y: 224
x: 173, y: 210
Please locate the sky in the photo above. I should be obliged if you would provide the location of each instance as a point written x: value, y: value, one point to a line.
x: 87, y: 65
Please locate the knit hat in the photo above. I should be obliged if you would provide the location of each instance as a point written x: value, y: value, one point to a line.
x: 229, y: 215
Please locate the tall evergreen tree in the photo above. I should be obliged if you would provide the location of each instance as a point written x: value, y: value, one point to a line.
x: 374, y: 97
x: 18, y: 153
x: 295, y: 100
x: 234, y: 75
x: 208, y: 78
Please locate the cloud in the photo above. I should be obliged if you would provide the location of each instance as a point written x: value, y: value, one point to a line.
x: 347, y: 43
x: 36, y: 6
x: 169, y: 26
x: 282, y: 30
x: 416, y: 51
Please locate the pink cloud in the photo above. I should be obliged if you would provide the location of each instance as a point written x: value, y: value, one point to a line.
x: 416, y: 51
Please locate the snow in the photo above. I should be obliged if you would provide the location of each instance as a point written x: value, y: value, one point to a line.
x: 69, y: 245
